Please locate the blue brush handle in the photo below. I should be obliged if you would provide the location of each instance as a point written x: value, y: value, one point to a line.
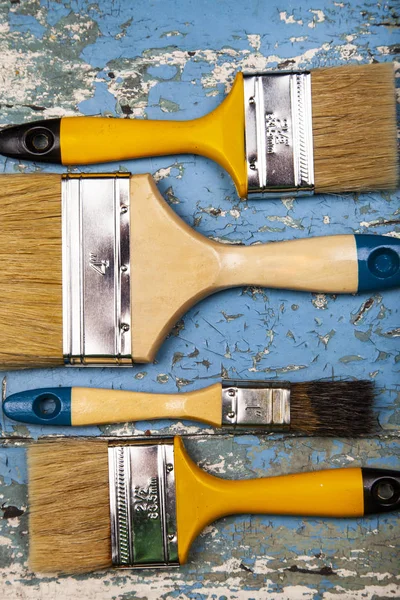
x: 378, y: 262
x: 46, y: 406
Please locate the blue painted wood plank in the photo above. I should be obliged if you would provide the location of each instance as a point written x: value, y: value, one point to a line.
x: 177, y: 59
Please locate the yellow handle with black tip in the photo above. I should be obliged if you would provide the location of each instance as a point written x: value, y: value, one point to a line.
x: 202, y: 498
x: 141, y: 503
x: 85, y: 140
x: 275, y: 133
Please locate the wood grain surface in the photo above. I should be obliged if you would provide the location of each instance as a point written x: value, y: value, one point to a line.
x: 177, y: 59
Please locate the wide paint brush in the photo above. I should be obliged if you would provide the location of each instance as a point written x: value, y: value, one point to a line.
x: 95, y: 504
x: 339, y: 408
x: 331, y: 130
x: 101, y: 277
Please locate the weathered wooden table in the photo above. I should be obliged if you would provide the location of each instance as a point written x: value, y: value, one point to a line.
x: 177, y: 59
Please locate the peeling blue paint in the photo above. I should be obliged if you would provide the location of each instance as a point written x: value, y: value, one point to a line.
x: 179, y: 58
x: 13, y: 466
x: 102, y: 97
x: 26, y: 24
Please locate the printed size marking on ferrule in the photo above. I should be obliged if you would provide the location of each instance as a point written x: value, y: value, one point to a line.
x: 96, y: 270
x: 143, y: 505
x: 255, y: 404
x: 278, y: 127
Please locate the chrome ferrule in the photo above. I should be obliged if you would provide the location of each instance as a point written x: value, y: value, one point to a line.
x: 255, y: 404
x: 143, y: 505
x: 278, y: 134
x: 96, y: 270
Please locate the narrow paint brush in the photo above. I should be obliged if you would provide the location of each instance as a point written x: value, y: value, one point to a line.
x: 339, y: 408
x: 99, y: 278
x: 95, y: 504
x: 272, y: 133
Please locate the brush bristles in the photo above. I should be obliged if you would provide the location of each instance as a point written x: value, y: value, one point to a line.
x: 354, y: 128
x: 69, y: 520
x: 332, y: 408
x: 30, y: 271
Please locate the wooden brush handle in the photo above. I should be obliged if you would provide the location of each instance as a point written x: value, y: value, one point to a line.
x: 99, y: 406
x: 89, y: 406
x: 173, y: 266
x: 334, y: 264
x: 324, y: 264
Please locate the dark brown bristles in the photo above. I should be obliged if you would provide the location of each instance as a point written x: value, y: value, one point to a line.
x: 333, y: 408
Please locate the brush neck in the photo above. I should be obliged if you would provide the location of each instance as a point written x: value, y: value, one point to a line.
x: 325, y: 264
x: 330, y: 493
x: 203, y: 498
x: 97, y: 406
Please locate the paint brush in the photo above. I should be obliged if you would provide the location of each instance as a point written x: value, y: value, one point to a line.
x: 328, y: 130
x: 95, y: 504
x: 101, y: 277
x: 339, y: 408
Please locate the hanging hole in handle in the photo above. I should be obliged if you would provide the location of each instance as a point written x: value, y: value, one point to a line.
x: 47, y: 406
x: 39, y: 140
x: 386, y: 491
x: 383, y: 262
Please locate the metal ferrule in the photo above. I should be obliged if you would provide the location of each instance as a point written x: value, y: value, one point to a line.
x: 278, y: 127
x: 96, y: 270
x: 143, y: 505
x: 255, y: 404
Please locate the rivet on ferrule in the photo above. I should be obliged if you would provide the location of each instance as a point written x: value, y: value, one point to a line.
x: 255, y: 403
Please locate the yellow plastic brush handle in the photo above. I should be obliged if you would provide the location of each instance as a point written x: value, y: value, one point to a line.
x: 98, y: 406
x: 202, y: 498
x: 218, y: 135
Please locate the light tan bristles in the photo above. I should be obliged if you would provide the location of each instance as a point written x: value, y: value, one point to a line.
x: 354, y: 128
x: 30, y: 271
x: 69, y: 518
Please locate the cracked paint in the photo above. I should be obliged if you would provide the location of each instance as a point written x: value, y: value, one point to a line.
x: 178, y: 60
x: 246, y: 555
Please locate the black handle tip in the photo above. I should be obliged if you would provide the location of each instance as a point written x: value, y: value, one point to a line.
x: 381, y: 490
x: 39, y: 141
